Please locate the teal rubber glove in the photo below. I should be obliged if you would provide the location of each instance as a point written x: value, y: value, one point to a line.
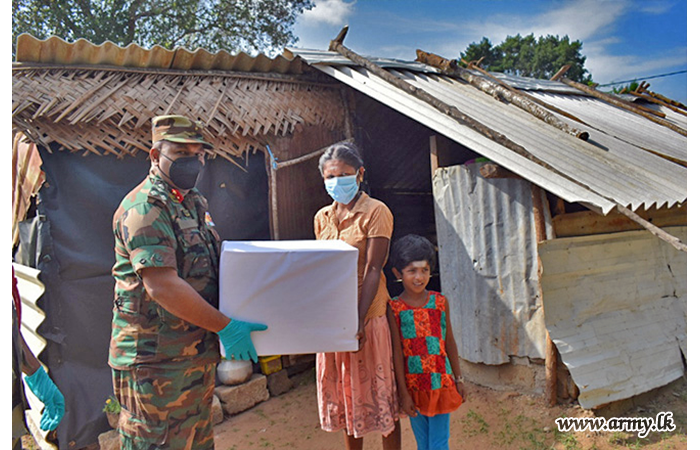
x: 54, y: 403
x: 235, y: 338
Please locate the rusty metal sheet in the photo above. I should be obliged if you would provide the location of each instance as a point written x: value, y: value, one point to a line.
x: 615, y: 306
x: 488, y: 264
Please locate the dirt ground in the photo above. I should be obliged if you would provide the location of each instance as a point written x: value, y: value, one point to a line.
x: 489, y: 419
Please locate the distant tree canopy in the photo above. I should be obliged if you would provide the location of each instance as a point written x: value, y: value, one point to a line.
x: 530, y: 57
x: 232, y: 25
x: 626, y: 88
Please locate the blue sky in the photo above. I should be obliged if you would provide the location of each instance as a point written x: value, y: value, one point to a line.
x: 622, y: 39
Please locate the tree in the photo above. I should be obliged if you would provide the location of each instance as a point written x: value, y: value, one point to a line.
x: 233, y: 25
x: 530, y: 57
x: 632, y: 87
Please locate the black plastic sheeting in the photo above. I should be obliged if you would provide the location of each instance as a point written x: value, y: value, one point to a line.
x: 71, y: 242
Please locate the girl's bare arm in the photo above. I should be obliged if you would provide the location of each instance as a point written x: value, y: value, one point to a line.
x: 453, y: 353
x: 405, y: 399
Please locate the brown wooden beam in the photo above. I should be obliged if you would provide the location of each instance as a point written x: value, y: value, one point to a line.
x: 587, y: 222
x: 565, y: 68
x: 502, y: 91
x: 651, y: 99
x: 550, y: 356
x: 666, y: 100
x: 437, y: 147
x: 491, y: 170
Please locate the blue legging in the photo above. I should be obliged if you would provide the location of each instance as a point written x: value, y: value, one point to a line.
x: 432, y: 433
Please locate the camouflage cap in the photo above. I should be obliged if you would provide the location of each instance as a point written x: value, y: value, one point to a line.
x: 177, y: 129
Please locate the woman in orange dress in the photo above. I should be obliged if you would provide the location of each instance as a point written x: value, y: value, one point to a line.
x: 357, y: 390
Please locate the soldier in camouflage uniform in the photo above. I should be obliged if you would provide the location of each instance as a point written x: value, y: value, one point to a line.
x: 166, y: 326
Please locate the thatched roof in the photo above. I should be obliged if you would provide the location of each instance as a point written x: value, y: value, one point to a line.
x: 107, y: 109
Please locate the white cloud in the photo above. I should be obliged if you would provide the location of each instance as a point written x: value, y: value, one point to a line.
x: 607, y: 68
x: 328, y: 12
x: 654, y: 7
x: 580, y: 20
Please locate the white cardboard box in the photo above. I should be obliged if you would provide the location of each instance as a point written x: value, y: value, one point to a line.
x: 305, y: 291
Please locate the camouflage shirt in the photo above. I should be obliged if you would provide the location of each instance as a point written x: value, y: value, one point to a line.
x: 152, y: 228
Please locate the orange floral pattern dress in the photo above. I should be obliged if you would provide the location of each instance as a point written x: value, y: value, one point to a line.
x: 429, y: 376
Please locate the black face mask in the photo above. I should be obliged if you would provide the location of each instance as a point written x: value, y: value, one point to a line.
x: 184, y: 171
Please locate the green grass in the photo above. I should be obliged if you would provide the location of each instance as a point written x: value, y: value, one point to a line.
x: 522, y: 431
x: 473, y: 423
x: 569, y: 440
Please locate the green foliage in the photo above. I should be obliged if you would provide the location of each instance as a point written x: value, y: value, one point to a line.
x: 530, y: 57
x: 232, y: 25
x: 112, y: 405
x: 627, y: 88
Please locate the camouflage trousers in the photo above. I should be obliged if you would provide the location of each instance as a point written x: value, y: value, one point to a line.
x: 165, y: 407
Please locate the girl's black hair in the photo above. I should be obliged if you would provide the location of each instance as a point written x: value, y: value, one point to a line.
x: 344, y: 151
x: 412, y: 248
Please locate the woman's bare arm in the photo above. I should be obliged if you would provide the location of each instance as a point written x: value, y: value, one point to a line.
x: 377, y: 251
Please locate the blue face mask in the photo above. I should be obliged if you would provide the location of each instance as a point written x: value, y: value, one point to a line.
x: 342, y: 189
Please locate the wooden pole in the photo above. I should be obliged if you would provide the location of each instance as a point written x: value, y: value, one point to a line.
x: 623, y: 104
x: 272, y: 188
x: 565, y: 68
x: 651, y: 99
x: 666, y: 100
x: 315, y: 153
x: 538, y: 112
x: 434, y: 159
x: 349, y: 112
x: 550, y: 356
x: 653, y: 229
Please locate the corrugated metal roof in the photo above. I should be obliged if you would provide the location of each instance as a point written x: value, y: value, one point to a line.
x: 534, y: 84
x: 488, y: 264
x: 607, y: 170
x: 324, y: 57
x: 31, y: 289
x: 615, y: 306
x: 621, y: 132
x: 56, y: 51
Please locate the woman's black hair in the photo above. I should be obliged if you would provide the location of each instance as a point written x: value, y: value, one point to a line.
x: 344, y: 151
x: 412, y: 248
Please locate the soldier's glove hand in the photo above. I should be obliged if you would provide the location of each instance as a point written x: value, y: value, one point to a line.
x: 235, y: 338
x: 54, y: 403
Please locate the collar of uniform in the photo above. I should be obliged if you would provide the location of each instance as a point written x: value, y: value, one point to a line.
x: 360, y: 206
x: 163, y: 186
